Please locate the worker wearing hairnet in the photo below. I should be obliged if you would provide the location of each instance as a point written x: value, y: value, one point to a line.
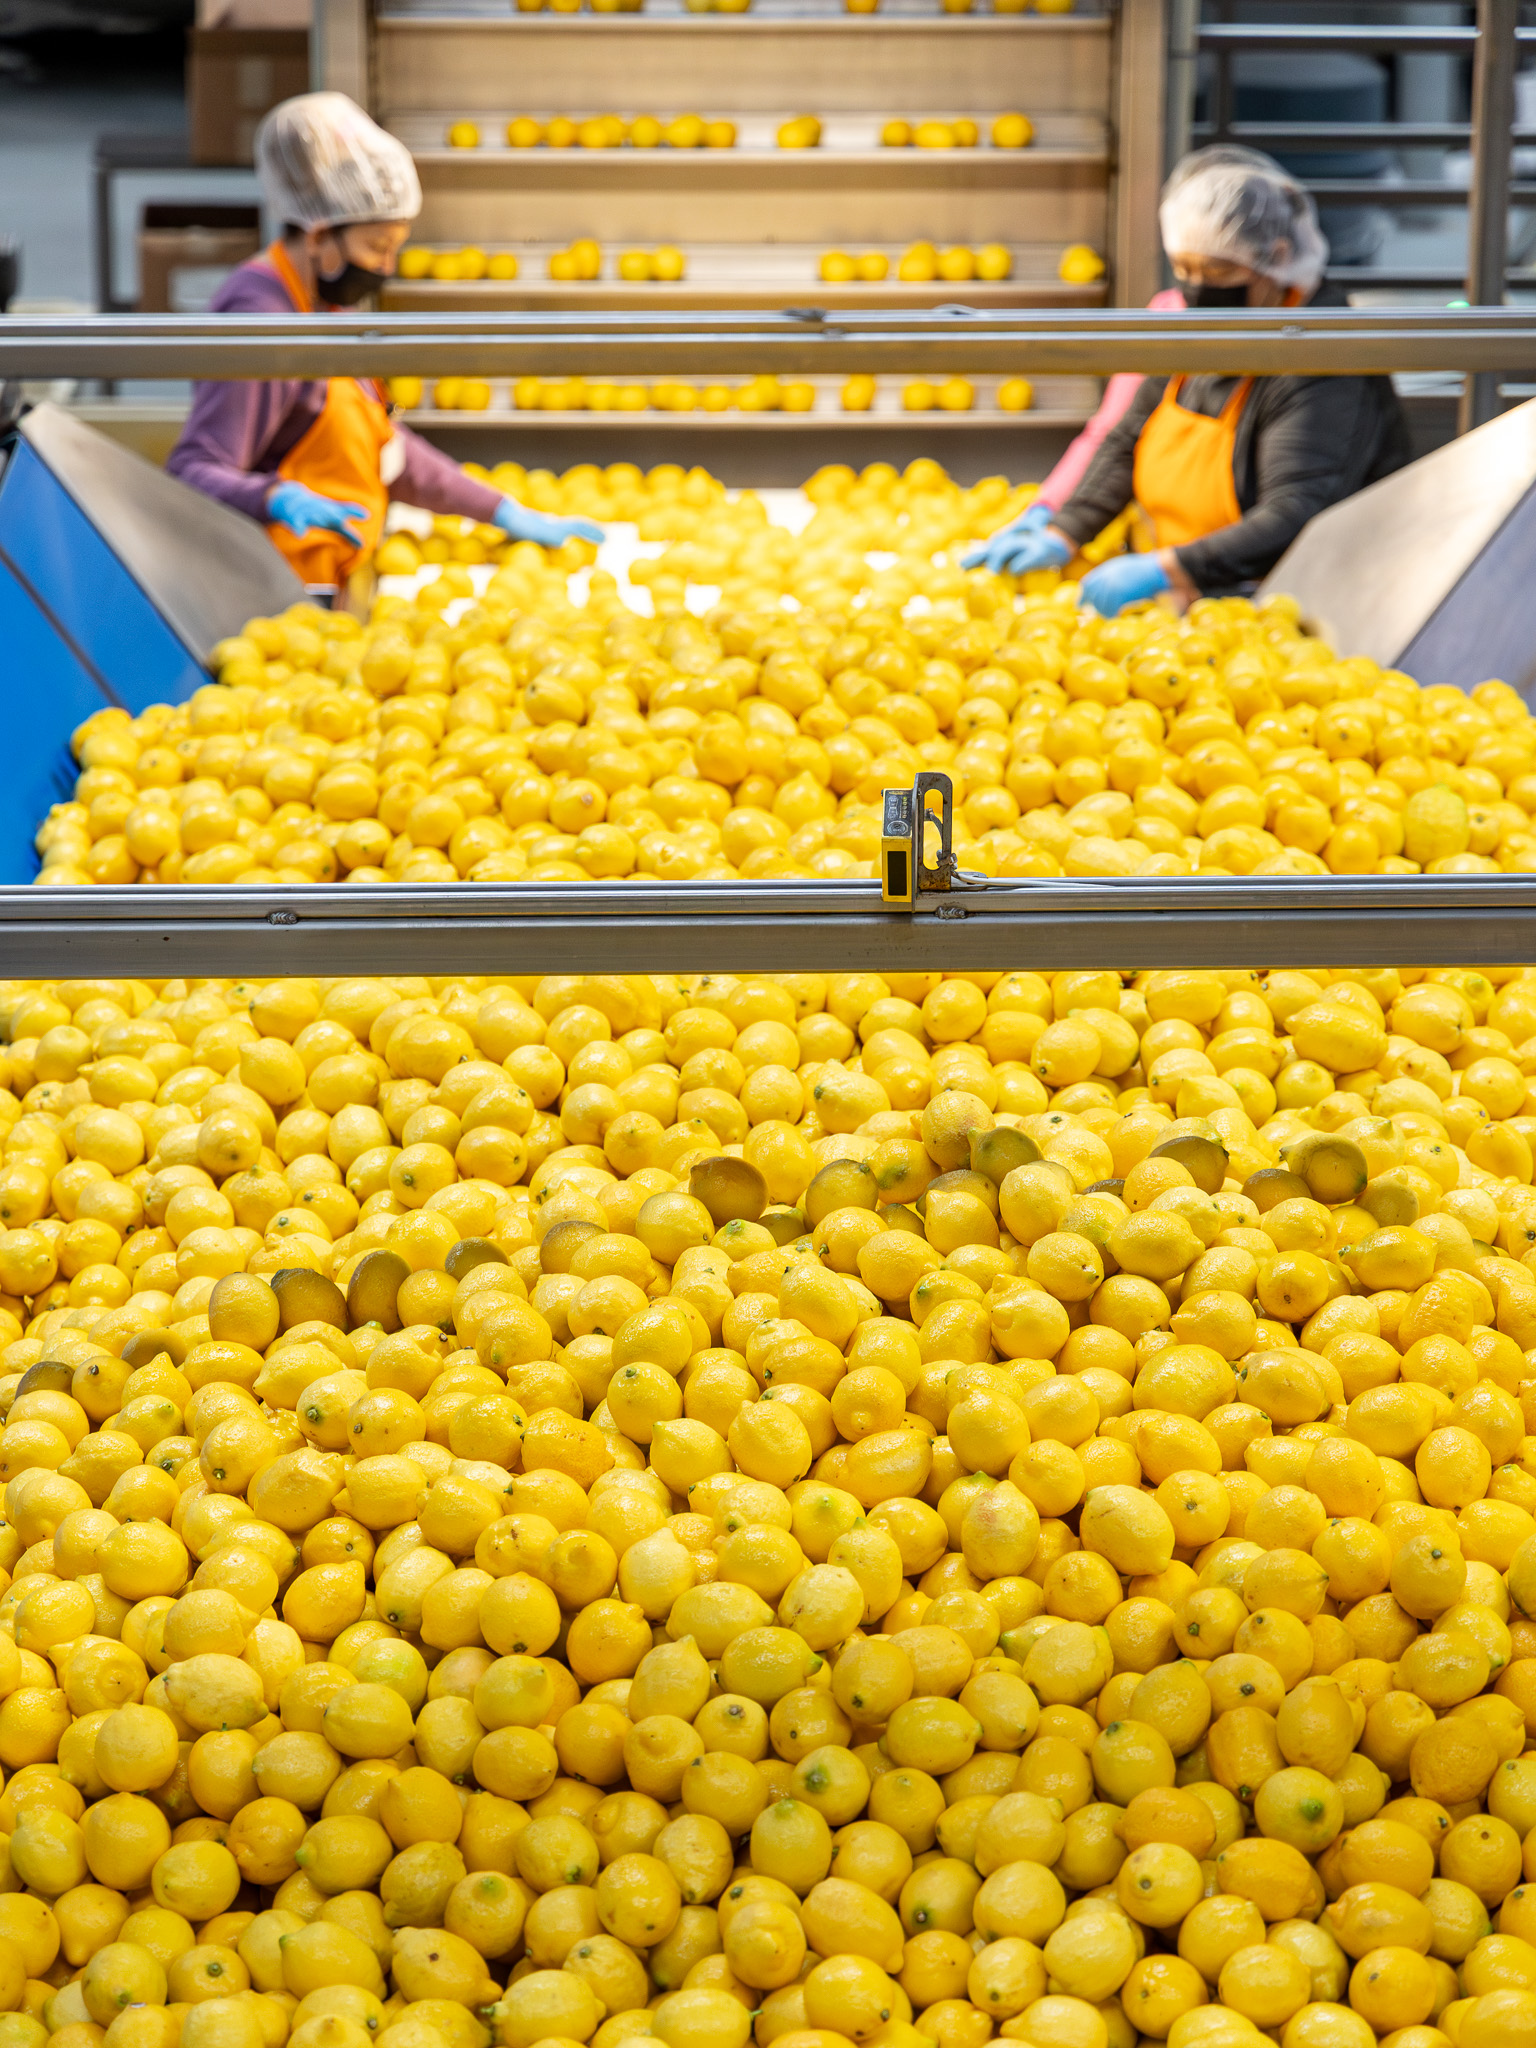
x: 317, y: 460
x: 1225, y: 471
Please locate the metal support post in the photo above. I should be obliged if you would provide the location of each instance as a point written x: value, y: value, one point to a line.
x: 340, y: 41
x: 1141, y: 130
x: 1183, y: 78
x: 1493, y: 120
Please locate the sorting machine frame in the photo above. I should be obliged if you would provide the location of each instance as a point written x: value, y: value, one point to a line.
x: 990, y: 925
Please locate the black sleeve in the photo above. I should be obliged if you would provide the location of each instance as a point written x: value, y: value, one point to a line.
x: 1107, y: 486
x: 1312, y: 447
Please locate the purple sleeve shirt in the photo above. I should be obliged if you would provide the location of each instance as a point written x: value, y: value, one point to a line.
x: 237, y: 433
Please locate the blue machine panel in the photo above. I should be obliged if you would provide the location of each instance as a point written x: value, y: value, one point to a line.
x: 81, y: 581
x: 47, y: 694
x: 76, y: 633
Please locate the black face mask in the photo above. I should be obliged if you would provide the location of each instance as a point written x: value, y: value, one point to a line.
x: 1206, y: 297
x: 349, y: 287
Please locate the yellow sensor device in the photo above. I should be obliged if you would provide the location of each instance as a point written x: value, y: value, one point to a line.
x: 898, y: 813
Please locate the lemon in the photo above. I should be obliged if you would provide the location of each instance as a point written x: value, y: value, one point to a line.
x: 1080, y: 264
x: 1069, y: 1461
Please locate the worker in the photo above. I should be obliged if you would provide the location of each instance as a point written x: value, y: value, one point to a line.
x: 1225, y: 471
x: 318, y: 460
x: 1072, y: 466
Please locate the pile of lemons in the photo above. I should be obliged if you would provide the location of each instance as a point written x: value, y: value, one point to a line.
x: 580, y: 262
x: 665, y: 264
x: 920, y: 263
x: 847, y: 1512
x: 953, y: 394
x: 965, y: 6
x: 1008, y: 131
x: 837, y: 266
x: 926, y: 263
x: 612, y: 131
x: 602, y: 131
x: 457, y: 266
x: 519, y: 733
x: 763, y: 393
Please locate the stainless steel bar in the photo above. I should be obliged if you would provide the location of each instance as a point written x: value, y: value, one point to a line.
x: 1333, y: 921
x: 1336, y: 36
x: 1346, y: 134
x: 1493, y: 116
x: 275, y: 331
x: 1365, y: 275
x: 101, y: 217
x: 1418, y: 192
x: 1183, y: 77
x: 1223, y: 94
x: 1317, y: 342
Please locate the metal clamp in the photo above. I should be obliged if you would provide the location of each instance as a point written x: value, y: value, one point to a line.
x: 906, y: 872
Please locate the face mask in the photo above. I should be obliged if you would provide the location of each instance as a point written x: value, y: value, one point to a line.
x: 349, y: 287
x: 1207, y: 296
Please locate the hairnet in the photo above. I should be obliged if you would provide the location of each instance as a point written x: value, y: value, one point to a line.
x: 1239, y: 206
x: 324, y: 164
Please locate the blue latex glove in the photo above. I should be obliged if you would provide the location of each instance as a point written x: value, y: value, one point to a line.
x: 522, y: 524
x: 300, y: 509
x: 1020, y: 547
x: 991, y: 553
x: 1126, y: 579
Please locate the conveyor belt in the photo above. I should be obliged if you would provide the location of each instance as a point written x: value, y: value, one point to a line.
x: 1428, y: 569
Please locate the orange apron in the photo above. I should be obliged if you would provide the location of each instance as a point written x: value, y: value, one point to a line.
x: 1183, y: 475
x: 340, y: 457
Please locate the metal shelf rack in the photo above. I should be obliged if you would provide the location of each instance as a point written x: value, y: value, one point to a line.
x: 1494, y: 42
x: 754, y: 220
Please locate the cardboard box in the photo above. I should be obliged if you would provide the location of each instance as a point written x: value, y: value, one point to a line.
x: 234, y: 76
x: 191, y: 236
x: 254, y: 13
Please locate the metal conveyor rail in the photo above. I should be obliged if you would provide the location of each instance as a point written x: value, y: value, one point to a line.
x: 483, y: 928
x: 810, y: 340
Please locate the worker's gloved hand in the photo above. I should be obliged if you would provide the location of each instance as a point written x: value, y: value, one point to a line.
x: 522, y: 524
x: 1025, y: 545
x: 1127, y: 579
x: 300, y: 509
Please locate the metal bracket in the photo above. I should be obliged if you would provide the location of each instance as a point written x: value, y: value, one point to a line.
x: 930, y: 875
x: 906, y: 872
